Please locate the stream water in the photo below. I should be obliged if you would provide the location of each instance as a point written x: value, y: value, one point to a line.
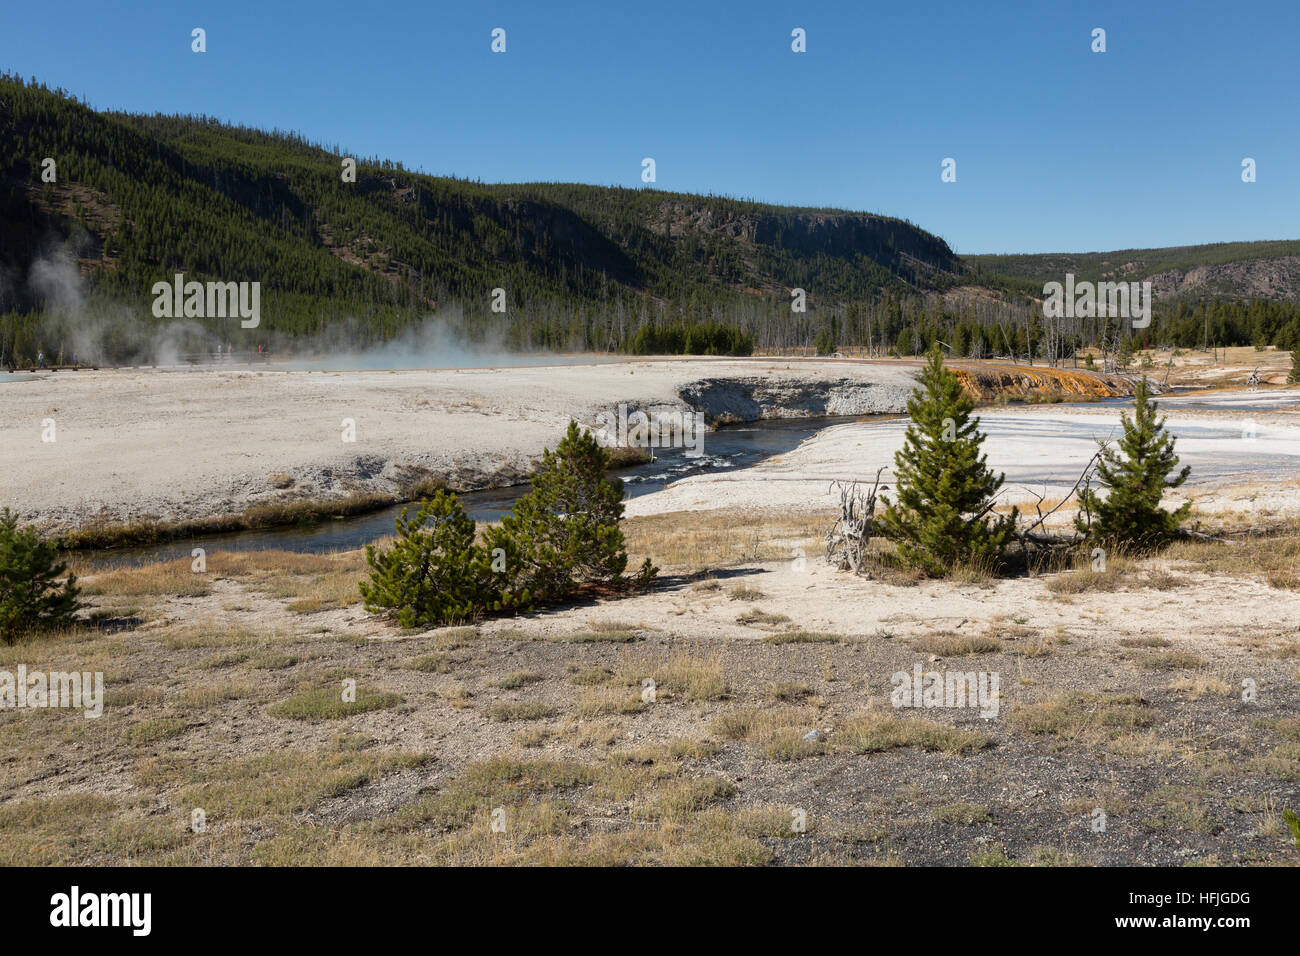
x: 740, y: 446
x: 726, y: 449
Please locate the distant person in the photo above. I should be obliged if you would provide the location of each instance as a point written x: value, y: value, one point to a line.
x: 40, y: 360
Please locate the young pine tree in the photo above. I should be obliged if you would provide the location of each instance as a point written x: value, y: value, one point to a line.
x: 434, y: 573
x: 31, y: 595
x: 564, y: 532
x: 1137, y: 477
x: 945, y: 489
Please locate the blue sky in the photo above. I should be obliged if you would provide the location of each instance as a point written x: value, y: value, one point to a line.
x: 1057, y: 148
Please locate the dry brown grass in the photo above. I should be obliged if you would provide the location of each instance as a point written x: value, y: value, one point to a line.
x: 168, y: 578
x: 948, y: 644
x: 870, y: 731
x: 607, y: 701
x: 778, y: 731
x: 1201, y: 685
x: 1077, y: 716
x: 681, y: 675
x: 722, y: 538
x: 1250, y: 556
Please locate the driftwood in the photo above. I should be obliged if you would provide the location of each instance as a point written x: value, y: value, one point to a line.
x: 848, y: 537
x: 1030, y: 533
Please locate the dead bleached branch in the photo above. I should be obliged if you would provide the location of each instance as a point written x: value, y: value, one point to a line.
x: 848, y: 537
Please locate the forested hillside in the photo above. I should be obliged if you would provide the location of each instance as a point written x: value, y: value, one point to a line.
x: 350, y: 264
x: 139, y: 198
x: 1269, y: 270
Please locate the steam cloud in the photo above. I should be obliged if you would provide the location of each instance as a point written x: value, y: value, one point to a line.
x: 101, y: 332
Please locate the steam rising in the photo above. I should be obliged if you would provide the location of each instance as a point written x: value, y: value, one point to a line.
x: 100, y: 331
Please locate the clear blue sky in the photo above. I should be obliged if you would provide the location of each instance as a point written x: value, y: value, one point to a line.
x: 1057, y: 148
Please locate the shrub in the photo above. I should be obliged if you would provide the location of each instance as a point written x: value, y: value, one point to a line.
x: 1137, y: 477
x: 31, y: 595
x: 564, y: 532
x: 945, y: 490
x: 1292, y: 824
x: 434, y: 573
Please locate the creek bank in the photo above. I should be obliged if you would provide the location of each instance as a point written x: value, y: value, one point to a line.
x: 145, y: 447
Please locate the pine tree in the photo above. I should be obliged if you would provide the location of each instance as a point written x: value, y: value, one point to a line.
x: 824, y: 343
x: 945, y: 489
x: 434, y: 573
x: 1137, y: 477
x: 564, y: 532
x: 32, y: 596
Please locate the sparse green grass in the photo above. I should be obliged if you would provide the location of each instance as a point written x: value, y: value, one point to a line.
x: 209, y: 636
x: 778, y: 731
x: 591, y: 676
x: 758, y: 616
x: 321, y: 703
x: 218, y: 661
x: 273, y: 660
x: 520, y: 710
x: 271, y: 784
x: 1052, y: 856
x: 871, y: 732
x: 680, y: 799
x: 947, y: 644
x: 431, y: 664
x: 648, y: 791
x: 991, y: 855
x: 1151, y: 641
x: 1084, y: 581
x: 518, y: 679
x: 605, y: 634
x: 790, y: 743
x: 962, y: 814
x: 788, y: 691
x: 1282, y: 762
x: 601, y: 702
x: 803, y: 637
x: 1076, y: 714
x: 1201, y: 685
x: 156, y: 729
x: 1179, y: 808
x: 200, y: 696
x: 678, y: 675
x: 1173, y: 660
x: 68, y: 829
